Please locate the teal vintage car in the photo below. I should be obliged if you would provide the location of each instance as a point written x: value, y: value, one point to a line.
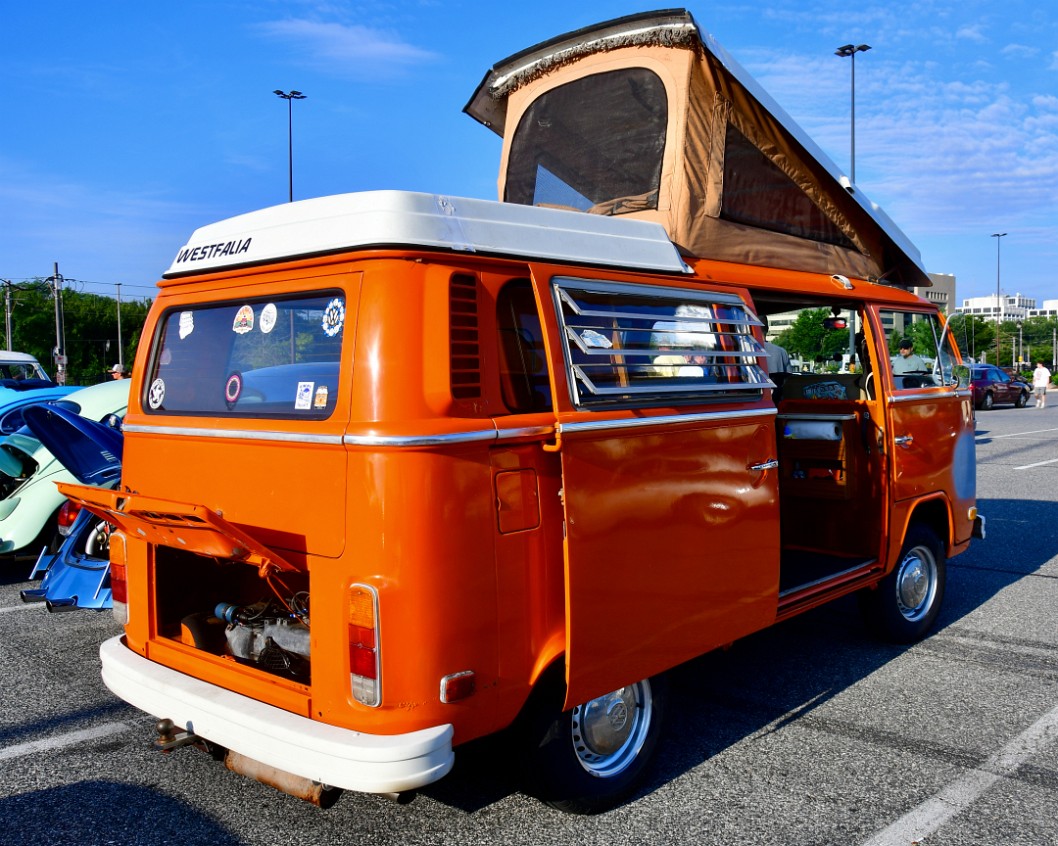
x: 29, y: 500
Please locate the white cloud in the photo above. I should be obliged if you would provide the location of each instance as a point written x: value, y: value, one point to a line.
x: 346, y: 50
x: 971, y: 33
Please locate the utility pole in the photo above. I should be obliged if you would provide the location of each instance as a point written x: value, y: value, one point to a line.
x: 60, y: 332
x: 121, y: 354
x: 7, y: 313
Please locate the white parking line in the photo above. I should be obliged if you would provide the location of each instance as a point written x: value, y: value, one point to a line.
x: 1015, y: 434
x: 22, y: 607
x: 956, y: 797
x: 60, y: 741
x: 1037, y: 464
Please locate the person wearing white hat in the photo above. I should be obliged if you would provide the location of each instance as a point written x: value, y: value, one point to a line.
x: 117, y: 371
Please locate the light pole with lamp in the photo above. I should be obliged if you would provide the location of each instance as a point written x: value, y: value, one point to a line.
x: 290, y: 96
x: 850, y: 51
x: 999, y: 307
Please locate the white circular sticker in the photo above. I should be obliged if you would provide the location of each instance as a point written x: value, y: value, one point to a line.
x: 333, y: 317
x: 267, y: 321
x: 156, y: 396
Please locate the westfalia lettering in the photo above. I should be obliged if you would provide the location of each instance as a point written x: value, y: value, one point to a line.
x: 230, y: 248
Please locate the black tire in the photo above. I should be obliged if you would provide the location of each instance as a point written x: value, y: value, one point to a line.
x: 988, y: 401
x: 1022, y: 400
x: 905, y: 604
x: 592, y: 758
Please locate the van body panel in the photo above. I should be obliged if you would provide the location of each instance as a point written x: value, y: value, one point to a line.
x: 672, y: 546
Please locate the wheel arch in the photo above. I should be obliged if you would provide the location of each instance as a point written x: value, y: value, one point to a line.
x: 933, y: 512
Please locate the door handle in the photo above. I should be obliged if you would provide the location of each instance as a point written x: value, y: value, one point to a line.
x: 904, y: 440
x: 770, y: 464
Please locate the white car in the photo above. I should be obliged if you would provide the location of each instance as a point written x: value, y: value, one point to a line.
x: 29, y: 500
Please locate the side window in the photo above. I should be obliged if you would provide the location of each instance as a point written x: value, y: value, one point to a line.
x: 920, y: 350
x: 524, y: 380
x: 638, y: 344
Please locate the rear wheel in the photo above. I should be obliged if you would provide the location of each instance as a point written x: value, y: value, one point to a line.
x: 592, y: 758
x: 988, y: 401
x: 906, y: 602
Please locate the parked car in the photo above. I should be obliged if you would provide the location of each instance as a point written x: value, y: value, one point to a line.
x: 19, y: 366
x: 78, y: 575
x: 994, y: 386
x: 29, y: 500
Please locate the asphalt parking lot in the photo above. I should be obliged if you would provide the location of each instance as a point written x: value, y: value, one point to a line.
x: 810, y: 733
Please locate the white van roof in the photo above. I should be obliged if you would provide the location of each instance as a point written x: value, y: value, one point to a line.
x: 406, y: 219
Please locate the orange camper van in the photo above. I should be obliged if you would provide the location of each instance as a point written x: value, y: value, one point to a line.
x: 404, y: 470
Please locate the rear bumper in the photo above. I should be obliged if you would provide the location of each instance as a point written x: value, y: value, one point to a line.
x: 327, y: 754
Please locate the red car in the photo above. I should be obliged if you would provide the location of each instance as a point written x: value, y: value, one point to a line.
x: 993, y: 385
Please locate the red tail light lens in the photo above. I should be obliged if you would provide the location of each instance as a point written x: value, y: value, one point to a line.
x: 67, y: 514
x: 364, y: 653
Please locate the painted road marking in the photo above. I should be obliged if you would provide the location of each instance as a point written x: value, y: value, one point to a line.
x: 956, y: 797
x: 60, y: 741
x: 1015, y: 435
x: 24, y: 606
x: 1037, y: 464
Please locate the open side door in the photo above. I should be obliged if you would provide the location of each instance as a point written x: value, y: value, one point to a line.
x: 671, y: 499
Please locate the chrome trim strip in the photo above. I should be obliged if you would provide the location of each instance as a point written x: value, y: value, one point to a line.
x: 669, y: 419
x: 237, y: 434
x: 898, y: 398
x: 420, y: 440
x: 817, y: 416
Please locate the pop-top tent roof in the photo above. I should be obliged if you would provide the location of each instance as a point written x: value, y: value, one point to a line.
x: 648, y: 117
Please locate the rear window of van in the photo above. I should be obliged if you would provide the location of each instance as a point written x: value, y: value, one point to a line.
x: 275, y: 357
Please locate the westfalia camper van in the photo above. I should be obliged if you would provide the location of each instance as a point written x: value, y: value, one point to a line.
x: 404, y: 470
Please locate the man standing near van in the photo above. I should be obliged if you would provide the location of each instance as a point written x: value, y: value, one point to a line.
x: 1041, y: 378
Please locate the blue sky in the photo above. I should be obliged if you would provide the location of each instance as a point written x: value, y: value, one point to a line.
x: 129, y: 124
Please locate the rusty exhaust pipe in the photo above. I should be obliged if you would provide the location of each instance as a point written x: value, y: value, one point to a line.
x: 317, y: 794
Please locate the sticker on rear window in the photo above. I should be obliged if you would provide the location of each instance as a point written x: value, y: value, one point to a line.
x: 267, y: 320
x: 303, y: 400
x: 187, y: 324
x: 243, y: 320
x: 321, y: 397
x: 334, y: 317
x: 233, y: 388
x: 156, y: 396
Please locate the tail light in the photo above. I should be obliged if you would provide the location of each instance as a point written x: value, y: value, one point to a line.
x: 67, y: 514
x: 118, y: 586
x: 364, y: 653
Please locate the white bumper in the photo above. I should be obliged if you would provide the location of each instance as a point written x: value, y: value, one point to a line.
x: 327, y: 754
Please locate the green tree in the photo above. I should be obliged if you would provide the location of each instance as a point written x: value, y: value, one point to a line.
x: 90, y: 325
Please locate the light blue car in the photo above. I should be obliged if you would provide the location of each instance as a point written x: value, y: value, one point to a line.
x: 78, y: 575
x: 29, y: 500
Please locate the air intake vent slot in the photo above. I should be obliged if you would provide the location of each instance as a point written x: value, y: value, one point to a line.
x: 463, y: 337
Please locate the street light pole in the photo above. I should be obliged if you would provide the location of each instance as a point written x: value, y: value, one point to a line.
x: 999, y: 308
x: 289, y: 96
x: 850, y: 51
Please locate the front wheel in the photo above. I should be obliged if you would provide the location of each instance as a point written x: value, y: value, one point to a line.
x: 590, y: 759
x: 1022, y: 400
x: 905, y: 604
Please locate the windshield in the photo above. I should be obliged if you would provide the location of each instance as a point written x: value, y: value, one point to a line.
x: 249, y: 358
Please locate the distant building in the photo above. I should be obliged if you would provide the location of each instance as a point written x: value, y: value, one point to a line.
x: 1048, y: 309
x: 1011, y: 307
x: 942, y: 293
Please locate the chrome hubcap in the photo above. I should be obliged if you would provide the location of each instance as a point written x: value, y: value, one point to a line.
x: 609, y: 732
x: 916, y: 583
